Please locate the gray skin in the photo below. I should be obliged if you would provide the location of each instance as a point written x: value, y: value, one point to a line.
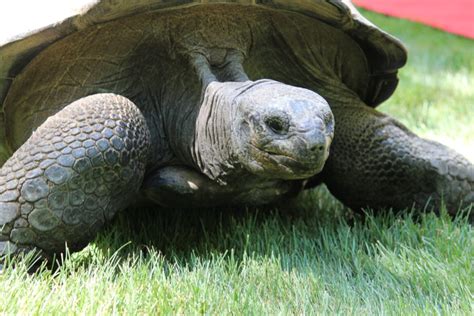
x: 161, y: 105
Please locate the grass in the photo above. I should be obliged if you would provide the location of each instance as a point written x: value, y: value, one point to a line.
x: 316, y: 259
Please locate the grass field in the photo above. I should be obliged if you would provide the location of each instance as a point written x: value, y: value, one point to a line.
x: 316, y: 259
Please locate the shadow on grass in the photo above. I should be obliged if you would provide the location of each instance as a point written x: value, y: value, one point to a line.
x: 313, y: 225
x: 180, y: 232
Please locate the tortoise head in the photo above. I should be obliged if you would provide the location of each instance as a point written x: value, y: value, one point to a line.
x: 268, y: 128
x: 281, y: 131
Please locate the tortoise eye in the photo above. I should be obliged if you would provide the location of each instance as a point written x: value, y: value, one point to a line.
x: 277, y: 124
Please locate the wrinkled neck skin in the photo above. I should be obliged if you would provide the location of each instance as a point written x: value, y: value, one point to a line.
x: 212, y: 148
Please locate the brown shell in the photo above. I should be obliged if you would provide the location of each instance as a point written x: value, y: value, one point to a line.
x: 384, y: 52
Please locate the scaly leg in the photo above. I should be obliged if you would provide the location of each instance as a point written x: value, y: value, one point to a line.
x: 72, y: 175
x: 376, y: 162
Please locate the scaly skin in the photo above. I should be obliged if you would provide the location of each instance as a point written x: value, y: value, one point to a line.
x: 72, y: 175
x: 377, y: 162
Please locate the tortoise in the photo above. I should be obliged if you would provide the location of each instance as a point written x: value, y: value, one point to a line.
x: 204, y: 103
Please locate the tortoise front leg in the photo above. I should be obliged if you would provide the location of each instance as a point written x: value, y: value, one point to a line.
x: 72, y: 175
x: 376, y: 162
x: 180, y: 186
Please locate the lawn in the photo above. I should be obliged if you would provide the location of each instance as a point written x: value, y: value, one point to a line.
x: 315, y: 259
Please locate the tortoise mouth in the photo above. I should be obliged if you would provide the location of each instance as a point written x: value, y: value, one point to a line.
x: 301, y: 167
x: 282, y: 165
x: 297, y: 156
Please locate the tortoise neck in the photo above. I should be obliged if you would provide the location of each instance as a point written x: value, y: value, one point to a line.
x: 222, y: 80
x: 213, y: 148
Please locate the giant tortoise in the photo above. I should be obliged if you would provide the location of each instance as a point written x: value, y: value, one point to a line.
x: 204, y: 103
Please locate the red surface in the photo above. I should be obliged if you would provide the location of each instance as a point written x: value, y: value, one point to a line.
x: 455, y: 16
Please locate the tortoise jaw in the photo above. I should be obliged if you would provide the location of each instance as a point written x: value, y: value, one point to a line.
x: 283, y: 166
x: 292, y: 169
x: 298, y: 165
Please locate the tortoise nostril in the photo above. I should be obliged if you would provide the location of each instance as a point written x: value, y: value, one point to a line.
x: 317, y: 148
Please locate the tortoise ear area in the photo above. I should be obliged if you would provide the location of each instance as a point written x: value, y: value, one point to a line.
x: 245, y: 130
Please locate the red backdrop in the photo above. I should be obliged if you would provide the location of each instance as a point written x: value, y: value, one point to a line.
x: 455, y: 16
